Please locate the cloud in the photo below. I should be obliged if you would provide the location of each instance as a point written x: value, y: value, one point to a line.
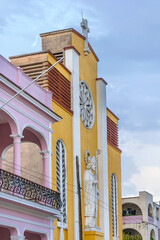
x: 35, y: 41
x: 140, y: 162
x: 147, y: 179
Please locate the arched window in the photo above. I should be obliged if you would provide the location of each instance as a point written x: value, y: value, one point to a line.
x: 61, y: 176
x: 150, y: 211
x: 114, y: 206
x: 152, y: 235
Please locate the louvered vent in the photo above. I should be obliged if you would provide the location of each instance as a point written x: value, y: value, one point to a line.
x: 60, y: 87
x: 61, y: 175
x: 114, y: 206
x: 112, y: 132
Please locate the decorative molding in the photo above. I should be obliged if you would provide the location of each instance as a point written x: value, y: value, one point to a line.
x: 101, y: 79
x: 33, y: 101
x: 2, y: 223
x: 45, y: 152
x: 72, y: 47
x: 112, y: 113
x: 18, y: 219
x: 62, y: 225
x: 24, y: 210
x: 8, y: 112
x: 31, y: 204
x: 61, y: 169
x: 86, y: 105
x: 28, y: 116
x: 31, y: 229
x: 14, y: 136
x: 17, y: 237
x: 11, y: 105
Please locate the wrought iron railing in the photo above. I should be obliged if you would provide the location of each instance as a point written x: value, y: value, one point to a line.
x: 24, y: 188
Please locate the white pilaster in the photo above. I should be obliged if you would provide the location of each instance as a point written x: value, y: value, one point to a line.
x: 103, y: 158
x: 72, y: 63
x: 50, y: 157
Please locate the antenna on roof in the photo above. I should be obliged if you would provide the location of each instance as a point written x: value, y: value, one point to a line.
x: 82, y: 13
x: 18, y: 93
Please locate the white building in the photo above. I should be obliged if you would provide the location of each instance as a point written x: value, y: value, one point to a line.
x: 141, y: 216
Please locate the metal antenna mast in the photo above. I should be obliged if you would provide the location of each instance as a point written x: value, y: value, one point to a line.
x: 14, y: 96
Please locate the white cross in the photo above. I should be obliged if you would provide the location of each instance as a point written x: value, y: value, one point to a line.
x: 85, y: 31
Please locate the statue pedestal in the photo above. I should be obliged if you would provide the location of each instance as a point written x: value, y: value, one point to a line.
x: 93, y: 235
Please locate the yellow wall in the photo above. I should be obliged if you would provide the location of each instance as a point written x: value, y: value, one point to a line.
x: 63, y: 130
x: 114, y: 166
x: 88, y: 73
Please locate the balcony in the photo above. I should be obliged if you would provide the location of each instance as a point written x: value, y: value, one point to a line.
x: 131, y: 213
x: 132, y: 219
x: 150, y: 219
x: 23, y: 188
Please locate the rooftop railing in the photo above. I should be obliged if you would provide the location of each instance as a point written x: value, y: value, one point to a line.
x: 21, y: 187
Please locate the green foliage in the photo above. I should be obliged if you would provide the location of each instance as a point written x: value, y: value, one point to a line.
x: 130, y: 237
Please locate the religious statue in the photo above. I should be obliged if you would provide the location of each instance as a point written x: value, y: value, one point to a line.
x: 91, y: 192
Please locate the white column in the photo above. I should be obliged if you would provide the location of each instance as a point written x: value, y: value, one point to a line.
x: 103, y: 157
x: 72, y: 63
x: 46, y: 165
x: 61, y: 234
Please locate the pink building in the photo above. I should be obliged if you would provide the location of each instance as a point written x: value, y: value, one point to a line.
x: 28, y: 208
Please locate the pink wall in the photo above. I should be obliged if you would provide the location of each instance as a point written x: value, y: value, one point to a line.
x: 24, y: 221
x: 4, y: 234
x: 17, y: 76
x: 32, y: 236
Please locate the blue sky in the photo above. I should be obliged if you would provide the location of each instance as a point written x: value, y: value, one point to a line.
x: 126, y: 37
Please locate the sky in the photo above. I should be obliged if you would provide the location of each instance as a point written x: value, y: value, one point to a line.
x: 125, y: 35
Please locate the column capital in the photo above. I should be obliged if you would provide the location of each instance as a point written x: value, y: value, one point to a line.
x: 17, y: 237
x: 46, y: 152
x: 15, y: 136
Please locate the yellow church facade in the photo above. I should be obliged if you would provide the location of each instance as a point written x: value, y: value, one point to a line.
x: 87, y: 135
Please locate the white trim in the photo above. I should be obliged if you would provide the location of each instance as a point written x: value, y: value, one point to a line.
x: 61, y: 179
x: 26, y: 115
x: 62, y: 225
x: 11, y: 105
x: 37, y: 231
x: 5, y: 150
x: 114, y: 195
x: 13, y: 237
x: 82, y: 81
x: 18, y: 219
x: 51, y: 230
x: 72, y: 63
x: 37, y: 130
x: 28, y: 203
x: 25, y: 210
x: 13, y: 118
x: 10, y: 225
x: 103, y: 158
x: 30, y: 99
x: 50, y: 157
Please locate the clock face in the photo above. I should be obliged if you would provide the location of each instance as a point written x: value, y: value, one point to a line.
x: 87, y: 111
